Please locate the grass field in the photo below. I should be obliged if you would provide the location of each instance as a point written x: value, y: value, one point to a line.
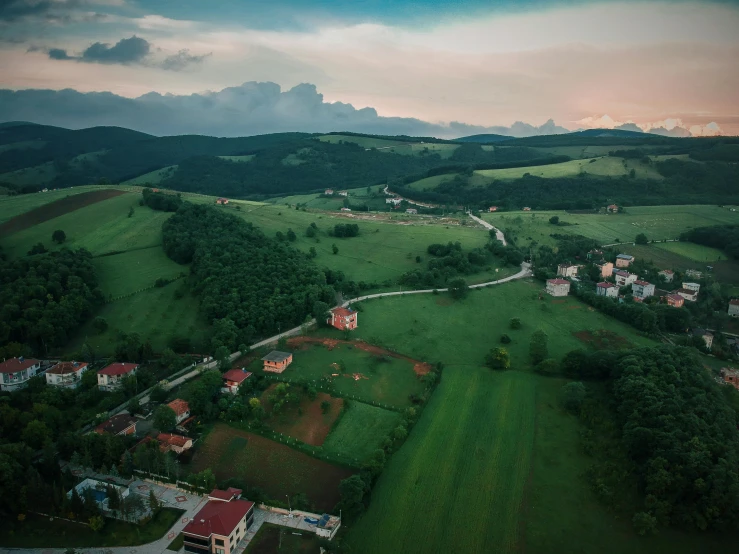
x: 132, y: 271
x: 36, y: 175
x: 395, y: 146
x: 360, y: 431
x: 317, y: 201
x: 23, y: 145
x: 268, y: 541
x: 603, y: 166
x: 695, y: 252
x: 153, y: 177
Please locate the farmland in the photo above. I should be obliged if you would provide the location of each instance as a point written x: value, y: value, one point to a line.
x: 11, y: 206
x: 360, y: 431
x: 395, y: 146
x: 695, y: 252
x: 275, y: 468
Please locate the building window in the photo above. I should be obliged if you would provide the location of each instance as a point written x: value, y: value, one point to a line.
x: 219, y: 542
x: 219, y: 551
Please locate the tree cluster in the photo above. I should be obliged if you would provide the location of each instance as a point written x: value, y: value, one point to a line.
x: 161, y: 201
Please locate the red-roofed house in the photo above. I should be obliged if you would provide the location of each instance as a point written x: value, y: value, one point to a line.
x: 180, y: 408
x: 668, y: 274
x: 233, y: 378
x: 121, y: 424
x: 109, y: 378
x: 175, y: 443
x: 674, y: 300
x: 558, y: 287
x: 66, y: 374
x: 606, y: 289
x: 228, y: 495
x: 613, y: 208
x: 220, y: 525
x: 343, y: 318
x: 493, y: 209
x: 734, y: 308
x: 15, y: 373
x: 222, y: 201
x: 642, y: 289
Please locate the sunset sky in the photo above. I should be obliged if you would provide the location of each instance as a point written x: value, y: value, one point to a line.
x: 473, y: 61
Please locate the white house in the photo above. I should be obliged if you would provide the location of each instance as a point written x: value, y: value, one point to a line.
x: 343, y: 193
x: 705, y: 335
x: 689, y: 295
x: 66, y: 374
x: 624, y: 278
x: 642, y: 289
x: 558, y: 287
x: 394, y: 200
x: 606, y: 289
x: 668, y: 274
x: 734, y: 308
x: 695, y: 287
x: 695, y: 274
x: 411, y: 211
x: 15, y: 373
x: 109, y: 378
x: 567, y: 270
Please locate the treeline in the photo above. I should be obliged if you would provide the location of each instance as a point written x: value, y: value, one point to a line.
x: 161, y: 201
x: 723, y: 237
x: 258, y: 285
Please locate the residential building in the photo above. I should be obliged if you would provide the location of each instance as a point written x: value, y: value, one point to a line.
x: 624, y: 278
x: 346, y: 209
x: 613, y: 208
x: 567, y: 270
x: 730, y: 376
x: 343, y: 193
x: 411, y: 211
x: 527, y: 209
x: 689, y: 295
x: 695, y: 274
x: 121, y: 424
x: 220, y: 525
x: 328, y: 192
x: 222, y: 201
x: 15, y: 373
x: 595, y: 254
x: 695, y: 287
x: 734, y: 308
x: 674, y: 300
x: 181, y: 409
x: 707, y: 336
x: 606, y: 269
x: 493, y: 209
x: 99, y: 491
x: 395, y: 201
x: 343, y: 318
x: 668, y: 274
x: 109, y: 378
x: 174, y: 443
x: 66, y: 374
x: 327, y: 526
x: 276, y: 361
x: 606, y: 289
x: 558, y: 287
x: 642, y: 289
x: 624, y: 260
x: 233, y: 379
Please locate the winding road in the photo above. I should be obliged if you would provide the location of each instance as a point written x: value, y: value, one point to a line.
x: 498, y: 233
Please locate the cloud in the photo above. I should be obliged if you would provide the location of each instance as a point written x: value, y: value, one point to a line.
x: 59, y: 54
x: 181, y: 60
x: 125, y: 51
x: 53, y: 11
x: 669, y: 127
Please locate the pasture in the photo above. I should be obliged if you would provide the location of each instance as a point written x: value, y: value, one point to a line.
x: 372, y: 197
x: 128, y: 272
x: 153, y: 177
x: 695, y: 252
x: 603, y: 166
x: 275, y: 468
x: 360, y: 431
x: 444, y: 150
x: 11, y: 206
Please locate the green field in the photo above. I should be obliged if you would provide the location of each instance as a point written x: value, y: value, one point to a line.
x: 36, y: 175
x: 317, y: 201
x: 153, y: 177
x: 23, y: 145
x: 395, y: 146
x: 360, y: 431
x: 603, y: 166
x: 657, y: 222
x: 695, y: 252
x: 132, y: 271
x: 11, y: 206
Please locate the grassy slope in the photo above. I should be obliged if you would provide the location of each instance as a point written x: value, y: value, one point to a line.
x: 131, y: 271
x: 360, y: 431
x: 11, y: 206
x: 696, y: 252
x: 395, y: 146
x: 604, y: 166
x: 153, y: 177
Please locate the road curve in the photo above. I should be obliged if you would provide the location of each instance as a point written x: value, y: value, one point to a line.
x: 498, y: 233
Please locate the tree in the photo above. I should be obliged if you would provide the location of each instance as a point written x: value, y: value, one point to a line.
x: 153, y: 502
x: 554, y: 220
x: 573, y: 395
x: 352, y: 491
x: 164, y: 418
x: 312, y: 252
x: 505, y: 339
x: 498, y: 358
x: 97, y: 522
x: 100, y: 324
x: 58, y: 236
x: 320, y: 312
x: 37, y: 248
x: 130, y: 211
x: 334, y: 249
x: 538, y: 350
x: 291, y: 236
x: 114, y: 499
x: 515, y: 323
x: 644, y: 522
x: 458, y: 288
x: 325, y: 406
x: 36, y: 434
x: 641, y: 238
x: 134, y: 406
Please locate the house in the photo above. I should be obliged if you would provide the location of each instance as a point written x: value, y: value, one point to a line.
x: 642, y: 289
x: 595, y: 254
x: 734, y: 308
x: 343, y: 319
x: 613, y: 208
x: 558, y: 287
x: 343, y: 193
x: 527, y: 209
x: 328, y: 192
x: 624, y: 278
x: 99, y: 491
x: 730, y: 376
x: 567, y: 270
x: 689, y: 295
x: 121, y: 424
x: 109, y: 378
x: 222, y: 201
x: 175, y: 443
x: 395, y: 201
x: 695, y: 287
x: 606, y: 289
x: 693, y: 273
x: 181, y: 409
x: 220, y: 525
x: 674, y: 300
x: 668, y: 274
x: 493, y: 209
x: 707, y: 336
x: 15, y: 373
x: 66, y: 374
x: 606, y: 269
x: 411, y: 211
x: 276, y: 361
x: 233, y: 379
x: 624, y: 260
x: 327, y: 526
x: 346, y: 209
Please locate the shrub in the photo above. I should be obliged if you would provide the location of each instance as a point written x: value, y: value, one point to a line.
x: 573, y: 395
x: 505, y: 339
x: 515, y: 323
x: 498, y: 358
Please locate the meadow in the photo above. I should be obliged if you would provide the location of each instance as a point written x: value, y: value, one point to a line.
x: 373, y: 197
x: 395, y: 146
x: 273, y: 538
x: 153, y: 177
x: 602, y: 166
x: 360, y: 431
x: 695, y: 252
x: 128, y: 272
x: 11, y: 206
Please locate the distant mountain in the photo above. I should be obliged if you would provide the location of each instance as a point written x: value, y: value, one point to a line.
x: 610, y: 133
x: 483, y: 139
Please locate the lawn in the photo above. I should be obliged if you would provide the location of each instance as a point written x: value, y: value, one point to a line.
x: 38, y: 532
x: 361, y: 431
x: 177, y: 543
x: 273, y: 538
x: 275, y: 468
x: 695, y: 252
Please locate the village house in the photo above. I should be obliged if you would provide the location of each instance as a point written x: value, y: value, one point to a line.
x: 121, y: 424
x: 493, y: 209
x: 233, y: 379
x: 15, y: 373
x: 558, y: 287
x: 595, y: 254
x: 695, y: 287
x: 613, y: 208
x: 695, y: 274
x: 346, y: 209
x: 689, y: 295
x: 734, y: 308
x: 705, y: 335
x: 66, y: 374
x: 343, y: 318
x: 624, y: 260
x: 624, y: 278
x: 642, y: 289
x: 181, y: 409
x: 567, y: 270
x: 395, y: 201
x: 411, y: 211
x: 668, y: 274
x: 328, y: 192
x: 220, y: 525
x: 276, y: 361
x: 606, y: 269
x: 674, y: 300
x: 527, y: 209
x: 109, y: 378
x: 343, y: 193
x: 222, y: 201
x: 730, y: 376
x: 606, y: 289
x: 174, y: 443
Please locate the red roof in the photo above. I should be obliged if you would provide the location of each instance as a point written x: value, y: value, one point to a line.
x: 668, y: 271
x: 675, y: 297
x: 606, y: 285
x: 179, y: 407
x: 734, y: 302
x: 229, y: 494
x: 218, y: 517
x: 558, y: 281
x: 342, y: 312
x: 17, y: 364
x: 174, y: 440
x: 236, y: 375
x: 642, y: 283
x: 116, y: 424
x: 63, y: 368
x: 118, y: 369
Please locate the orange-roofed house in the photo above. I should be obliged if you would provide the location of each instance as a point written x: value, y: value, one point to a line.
x: 175, y: 443
x: 276, y: 361
x: 343, y: 318
x: 493, y: 209
x: 66, y: 374
x: 15, y: 373
x: 222, y: 201
x: 180, y: 408
x: 674, y: 300
x: 233, y: 379
x: 730, y: 376
x: 109, y: 378
x: 558, y: 287
x: 613, y: 208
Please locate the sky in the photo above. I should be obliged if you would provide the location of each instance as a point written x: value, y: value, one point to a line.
x: 484, y: 63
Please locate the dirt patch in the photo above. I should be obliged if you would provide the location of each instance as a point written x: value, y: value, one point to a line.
x: 444, y: 301
x: 55, y: 209
x: 573, y: 307
x: 603, y: 339
x: 420, y: 368
x: 558, y: 301
x: 312, y: 426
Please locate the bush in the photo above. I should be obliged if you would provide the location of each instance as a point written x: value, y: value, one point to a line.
x: 554, y: 220
x: 458, y: 288
x: 505, y: 339
x: 498, y: 358
x: 59, y: 236
x: 644, y: 523
x: 547, y: 367
x: 515, y: 323
x: 573, y: 395
x: 100, y: 324
x: 641, y: 238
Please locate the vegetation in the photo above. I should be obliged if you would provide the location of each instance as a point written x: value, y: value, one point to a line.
x: 724, y: 238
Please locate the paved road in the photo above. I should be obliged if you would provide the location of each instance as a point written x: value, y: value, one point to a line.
x: 498, y: 233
